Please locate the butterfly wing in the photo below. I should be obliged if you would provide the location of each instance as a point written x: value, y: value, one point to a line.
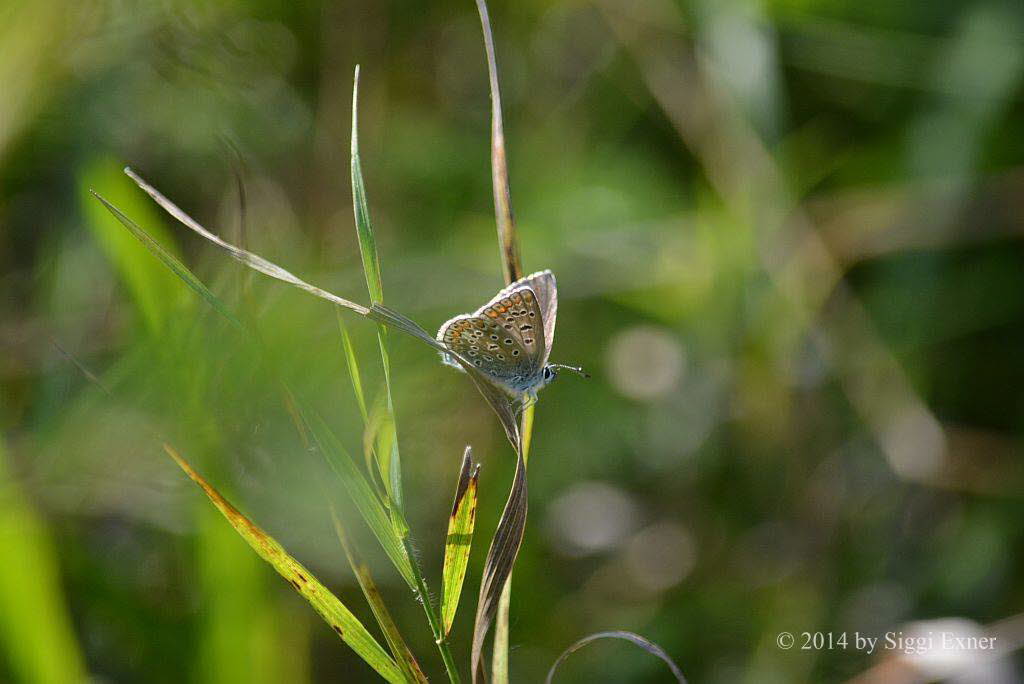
x: 504, y: 340
x: 544, y: 287
x: 521, y: 320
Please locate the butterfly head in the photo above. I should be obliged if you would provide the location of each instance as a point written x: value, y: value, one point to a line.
x: 550, y: 372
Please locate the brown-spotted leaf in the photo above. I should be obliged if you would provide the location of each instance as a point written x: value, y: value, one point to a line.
x: 459, y: 540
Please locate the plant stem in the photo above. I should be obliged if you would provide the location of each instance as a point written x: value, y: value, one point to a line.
x: 440, y: 638
x: 499, y: 657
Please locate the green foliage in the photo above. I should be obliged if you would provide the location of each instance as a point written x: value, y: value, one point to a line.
x: 36, y: 636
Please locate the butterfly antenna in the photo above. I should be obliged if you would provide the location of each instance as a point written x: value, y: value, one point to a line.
x: 575, y: 369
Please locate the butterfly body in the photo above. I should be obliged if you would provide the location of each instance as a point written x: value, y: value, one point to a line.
x: 509, y: 338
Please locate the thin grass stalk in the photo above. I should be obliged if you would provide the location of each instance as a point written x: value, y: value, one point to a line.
x: 507, y: 238
x: 508, y: 243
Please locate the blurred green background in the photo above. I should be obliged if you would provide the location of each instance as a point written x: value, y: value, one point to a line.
x: 787, y: 237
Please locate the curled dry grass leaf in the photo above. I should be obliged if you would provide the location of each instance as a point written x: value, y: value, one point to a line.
x: 500, y: 559
x: 459, y: 541
x: 645, y: 644
x: 326, y: 604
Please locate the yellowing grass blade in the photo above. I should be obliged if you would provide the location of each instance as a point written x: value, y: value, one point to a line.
x: 333, y: 611
x: 399, y: 648
x: 459, y: 540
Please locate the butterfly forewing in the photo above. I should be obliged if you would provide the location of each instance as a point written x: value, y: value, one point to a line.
x: 543, y: 285
x: 546, y: 290
x: 508, y: 339
x: 504, y: 340
x: 520, y: 320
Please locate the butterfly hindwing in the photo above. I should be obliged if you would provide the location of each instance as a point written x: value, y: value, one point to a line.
x: 484, y: 342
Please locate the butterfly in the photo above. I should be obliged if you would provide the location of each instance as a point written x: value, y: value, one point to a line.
x: 508, y: 339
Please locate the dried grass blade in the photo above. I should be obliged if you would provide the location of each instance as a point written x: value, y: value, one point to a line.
x: 333, y: 611
x: 510, y: 260
x: 459, y: 540
x: 648, y: 646
x: 500, y: 559
x: 251, y: 260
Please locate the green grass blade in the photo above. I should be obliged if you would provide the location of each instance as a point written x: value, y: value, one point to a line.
x: 379, y: 440
x: 360, y: 491
x: 153, y: 290
x: 364, y: 229
x: 499, y: 654
x: 172, y: 262
x: 392, y: 635
x: 353, y: 366
x: 392, y: 469
x: 325, y: 603
x: 459, y: 540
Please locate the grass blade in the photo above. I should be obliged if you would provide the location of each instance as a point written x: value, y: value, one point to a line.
x: 499, y: 652
x: 512, y: 268
x: 359, y: 490
x: 325, y: 603
x: 390, y: 460
x: 500, y: 559
x: 154, y: 291
x: 648, y: 646
x: 364, y: 229
x: 172, y: 262
x: 392, y: 635
x: 499, y: 655
x: 459, y: 540
x: 510, y: 260
x: 353, y: 367
x: 253, y: 261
